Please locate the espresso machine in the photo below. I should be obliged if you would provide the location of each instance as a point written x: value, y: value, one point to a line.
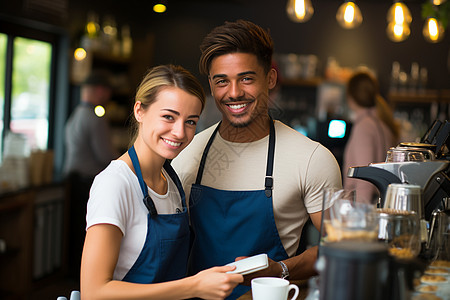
x: 426, y: 164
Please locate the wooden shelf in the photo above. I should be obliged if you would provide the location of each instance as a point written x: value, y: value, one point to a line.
x: 110, y: 58
x: 426, y: 96
x: 16, y: 228
x: 9, y: 252
x: 300, y: 82
x: 22, y: 225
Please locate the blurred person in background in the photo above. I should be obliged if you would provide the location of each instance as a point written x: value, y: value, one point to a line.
x: 373, y: 132
x: 88, y: 140
x: 89, y: 150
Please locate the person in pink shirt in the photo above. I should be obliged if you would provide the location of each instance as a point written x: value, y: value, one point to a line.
x: 373, y: 132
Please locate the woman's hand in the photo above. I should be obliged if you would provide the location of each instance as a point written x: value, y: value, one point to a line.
x: 215, y: 283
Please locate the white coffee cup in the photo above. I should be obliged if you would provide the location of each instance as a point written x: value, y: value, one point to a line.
x: 272, y: 288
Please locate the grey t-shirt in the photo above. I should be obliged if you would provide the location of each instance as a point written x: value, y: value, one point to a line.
x: 89, y: 147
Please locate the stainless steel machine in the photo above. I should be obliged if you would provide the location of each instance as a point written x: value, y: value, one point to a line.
x: 426, y: 164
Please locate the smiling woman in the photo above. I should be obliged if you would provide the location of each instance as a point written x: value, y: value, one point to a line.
x: 138, y: 236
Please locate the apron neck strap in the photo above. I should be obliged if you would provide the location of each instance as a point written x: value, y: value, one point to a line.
x: 137, y: 168
x: 268, y: 184
x: 205, y: 153
x: 173, y: 175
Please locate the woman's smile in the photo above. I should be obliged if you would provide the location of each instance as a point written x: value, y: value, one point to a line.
x: 172, y: 143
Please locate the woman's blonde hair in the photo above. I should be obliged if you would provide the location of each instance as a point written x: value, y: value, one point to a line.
x: 160, y: 77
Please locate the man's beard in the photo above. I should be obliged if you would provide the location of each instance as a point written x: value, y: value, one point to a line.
x: 252, y: 119
x: 241, y: 125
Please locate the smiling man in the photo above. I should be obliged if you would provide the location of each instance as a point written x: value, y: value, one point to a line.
x: 253, y: 182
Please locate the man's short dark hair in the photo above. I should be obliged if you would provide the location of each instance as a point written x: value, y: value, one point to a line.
x: 237, y: 37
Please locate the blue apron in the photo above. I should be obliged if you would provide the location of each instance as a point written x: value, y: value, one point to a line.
x: 165, y: 253
x: 228, y: 224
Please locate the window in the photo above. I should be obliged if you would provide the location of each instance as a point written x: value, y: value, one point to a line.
x: 2, y: 85
x: 34, y: 85
x: 30, y: 92
x: 25, y: 73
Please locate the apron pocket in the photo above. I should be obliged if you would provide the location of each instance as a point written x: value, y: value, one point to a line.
x: 174, y: 257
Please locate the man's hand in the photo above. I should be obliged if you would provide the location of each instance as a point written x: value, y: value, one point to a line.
x: 300, y: 267
x: 273, y: 270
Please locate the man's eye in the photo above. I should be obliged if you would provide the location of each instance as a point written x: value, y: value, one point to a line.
x: 220, y: 82
x: 247, y: 79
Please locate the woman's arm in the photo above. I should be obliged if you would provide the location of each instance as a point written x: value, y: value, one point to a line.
x: 100, y: 254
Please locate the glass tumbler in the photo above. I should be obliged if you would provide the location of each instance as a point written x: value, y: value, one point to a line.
x: 400, y: 231
x: 407, y: 197
x: 345, y: 219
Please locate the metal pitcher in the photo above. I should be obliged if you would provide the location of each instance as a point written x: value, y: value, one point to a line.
x: 439, y: 237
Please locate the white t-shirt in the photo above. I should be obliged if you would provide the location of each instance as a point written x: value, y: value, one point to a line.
x: 302, y: 169
x: 116, y: 198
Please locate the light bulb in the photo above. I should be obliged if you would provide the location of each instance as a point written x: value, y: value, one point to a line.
x: 349, y: 15
x: 299, y: 11
x: 92, y: 26
x: 79, y: 54
x: 399, y: 18
x: 398, y: 32
x: 399, y: 14
x: 99, y: 111
x: 159, y: 8
x: 433, y: 31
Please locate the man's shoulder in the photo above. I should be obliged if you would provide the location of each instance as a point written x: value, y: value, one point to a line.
x: 286, y: 132
x: 292, y: 142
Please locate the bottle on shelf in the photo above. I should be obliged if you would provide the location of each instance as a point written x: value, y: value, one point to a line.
x: 127, y: 41
x: 110, y: 41
x: 91, y: 37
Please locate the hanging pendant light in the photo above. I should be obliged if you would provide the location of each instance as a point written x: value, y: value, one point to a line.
x: 299, y: 11
x: 433, y: 31
x: 349, y: 15
x: 398, y: 32
x: 436, y: 20
x: 160, y: 6
x: 398, y: 18
x: 399, y: 13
